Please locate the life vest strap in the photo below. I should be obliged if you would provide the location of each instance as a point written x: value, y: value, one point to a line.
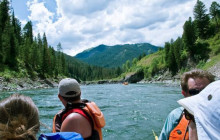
x: 75, y: 110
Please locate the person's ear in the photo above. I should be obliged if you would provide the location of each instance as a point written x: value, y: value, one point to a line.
x: 62, y: 100
x: 59, y: 96
x: 184, y: 93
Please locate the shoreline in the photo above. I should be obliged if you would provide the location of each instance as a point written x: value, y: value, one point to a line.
x: 17, y: 84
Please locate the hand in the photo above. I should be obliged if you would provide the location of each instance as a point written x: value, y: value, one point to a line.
x: 192, y: 131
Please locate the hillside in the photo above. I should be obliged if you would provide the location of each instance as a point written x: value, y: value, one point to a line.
x: 114, y: 56
x: 198, y: 47
x: 154, y: 66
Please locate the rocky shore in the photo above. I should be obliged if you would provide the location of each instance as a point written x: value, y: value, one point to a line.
x: 27, y: 83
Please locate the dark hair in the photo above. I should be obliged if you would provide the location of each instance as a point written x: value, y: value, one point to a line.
x: 196, y: 73
x: 72, y: 99
x: 19, y: 118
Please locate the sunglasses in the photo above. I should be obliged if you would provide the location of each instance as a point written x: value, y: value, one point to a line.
x: 194, y: 91
x: 188, y: 116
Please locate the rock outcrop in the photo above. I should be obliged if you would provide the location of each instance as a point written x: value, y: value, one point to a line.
x: 134, y: 77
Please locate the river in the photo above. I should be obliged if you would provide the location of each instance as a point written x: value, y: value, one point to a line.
x: 131, y: 111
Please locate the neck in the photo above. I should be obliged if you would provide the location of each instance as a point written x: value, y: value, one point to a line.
x: 74, y: 102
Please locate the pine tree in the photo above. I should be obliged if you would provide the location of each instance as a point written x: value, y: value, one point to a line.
x: 118, y: 71
x: 52, y: 61
x: 12, y: 56
x: 45, y: 54
x: 17, y: 28
x: 27, y: 44
x: 8, y: 45
x: 167, y: 50
x: 59, y: 50
x: 189, y: 36
x: 34, y: 56
x: 39, y: 53
x: 177, y: 51
x: 4, y: 19
x: 28, y: 31
x: 63, y: 63
x: 4, y: 14
x: 215, y: 12
x: 201, y: 19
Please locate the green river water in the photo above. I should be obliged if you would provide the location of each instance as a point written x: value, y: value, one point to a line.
x: 131, y: 112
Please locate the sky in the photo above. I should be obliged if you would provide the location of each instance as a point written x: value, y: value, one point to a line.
x: 82, y: 24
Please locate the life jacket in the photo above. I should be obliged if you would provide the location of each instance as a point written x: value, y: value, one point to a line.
x: 87, y: 109
x: 180, y: 132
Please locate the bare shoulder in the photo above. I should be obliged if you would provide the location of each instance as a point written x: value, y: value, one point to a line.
x: 75, y: 122
x: 74, y: 117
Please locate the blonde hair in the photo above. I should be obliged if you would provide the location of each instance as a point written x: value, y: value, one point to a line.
x: 19, y: 118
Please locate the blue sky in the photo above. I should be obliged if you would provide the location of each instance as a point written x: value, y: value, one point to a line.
x: 82, y: 24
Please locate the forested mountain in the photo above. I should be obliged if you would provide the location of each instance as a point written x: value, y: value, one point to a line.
x: 23, y: 55
x: 198, y: 47
x: 115, y: 56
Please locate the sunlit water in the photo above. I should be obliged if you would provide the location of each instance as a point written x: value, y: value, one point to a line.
x: 131, y: 112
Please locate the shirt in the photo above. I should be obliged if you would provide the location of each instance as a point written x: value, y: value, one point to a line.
x: 171, y: 122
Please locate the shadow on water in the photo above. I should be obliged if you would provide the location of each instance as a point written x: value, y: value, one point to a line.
x: 131, y: 111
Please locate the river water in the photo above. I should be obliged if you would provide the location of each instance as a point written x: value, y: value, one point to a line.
x: 131, y: 111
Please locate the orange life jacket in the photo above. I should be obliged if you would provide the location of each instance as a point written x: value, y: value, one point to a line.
x: 87, y: 109
x: 180, y: 132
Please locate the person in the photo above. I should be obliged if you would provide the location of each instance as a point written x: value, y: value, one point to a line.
x: 203, y: 113
x: 192, y: 82
x: 19, y: 118
x: 81, y: 116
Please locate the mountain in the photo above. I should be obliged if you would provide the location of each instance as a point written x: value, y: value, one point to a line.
x: 114, y: 56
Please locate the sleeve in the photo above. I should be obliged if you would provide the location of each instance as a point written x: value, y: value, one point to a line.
x: 171, y: 122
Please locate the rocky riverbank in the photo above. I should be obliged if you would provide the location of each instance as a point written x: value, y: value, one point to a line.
x: 27, y: 83
x: 15, y: 84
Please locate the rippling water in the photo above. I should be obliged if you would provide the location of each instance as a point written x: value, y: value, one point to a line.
x: 131, y: 112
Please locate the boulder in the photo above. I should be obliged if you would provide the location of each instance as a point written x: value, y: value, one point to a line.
x: 134, y: 77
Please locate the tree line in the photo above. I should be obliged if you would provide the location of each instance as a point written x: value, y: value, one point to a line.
x: 31, y: 56
x: 193, y: 48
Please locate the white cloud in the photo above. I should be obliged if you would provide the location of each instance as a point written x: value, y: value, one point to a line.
x: 81, y: 24
x: 80, y: 7
x: 39, y: 12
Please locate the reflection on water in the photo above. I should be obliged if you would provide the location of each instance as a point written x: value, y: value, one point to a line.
x: 131, y: 111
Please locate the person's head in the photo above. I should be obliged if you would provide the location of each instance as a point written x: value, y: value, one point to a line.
x: 69, y: 91
x: 19, y: 118
x: 194, y: 81
x: 204, y: 109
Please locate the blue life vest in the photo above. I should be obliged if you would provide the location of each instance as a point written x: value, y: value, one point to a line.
x: 61, y: 136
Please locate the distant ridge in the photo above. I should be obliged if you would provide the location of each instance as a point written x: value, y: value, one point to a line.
x: 114, y: 56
